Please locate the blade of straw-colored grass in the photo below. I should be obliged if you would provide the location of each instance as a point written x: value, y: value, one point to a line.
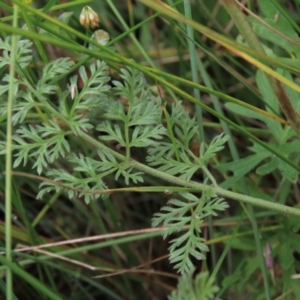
x: 260, y: 20
x: 209, y: 90
x: 111, y: 55
x: 250, y: 37
x: 233, y: 46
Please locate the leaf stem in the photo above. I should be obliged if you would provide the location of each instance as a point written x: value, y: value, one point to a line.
x: 276, y: 207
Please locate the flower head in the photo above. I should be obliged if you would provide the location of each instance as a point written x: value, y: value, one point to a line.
x: 88, y: 17
x: 101, y: 37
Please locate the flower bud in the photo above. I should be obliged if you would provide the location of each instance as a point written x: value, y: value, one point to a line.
x: 101, y: 37
x: 89, y: 18
x: 268, y: 257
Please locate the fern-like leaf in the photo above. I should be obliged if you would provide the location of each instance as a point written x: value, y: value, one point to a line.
x: 215, y: 146
x: 95, y: 87
x: 45, y: 142
x: 139, y: 121
x: 176, y: 215
x: 74, y: 186
x: 92, y: 173
x: 197, y: 287
x: 51, y: 70
x: 23, y: 52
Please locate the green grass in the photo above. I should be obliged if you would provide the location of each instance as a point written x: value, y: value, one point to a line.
x: 172, y: 185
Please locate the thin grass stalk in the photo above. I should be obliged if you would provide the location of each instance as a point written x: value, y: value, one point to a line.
x: 247, y: 32
x: 28, y: 278
x: 127, y: 28
x: 8, y: 177
x: 250, y: 37
x: 195, y: 78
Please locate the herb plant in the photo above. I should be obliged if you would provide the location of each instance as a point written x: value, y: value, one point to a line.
x: 138, y: 123
x: 93, y: 127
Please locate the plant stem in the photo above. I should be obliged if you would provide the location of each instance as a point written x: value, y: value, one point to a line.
x: 276, y: 207
x: 8, y: 168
